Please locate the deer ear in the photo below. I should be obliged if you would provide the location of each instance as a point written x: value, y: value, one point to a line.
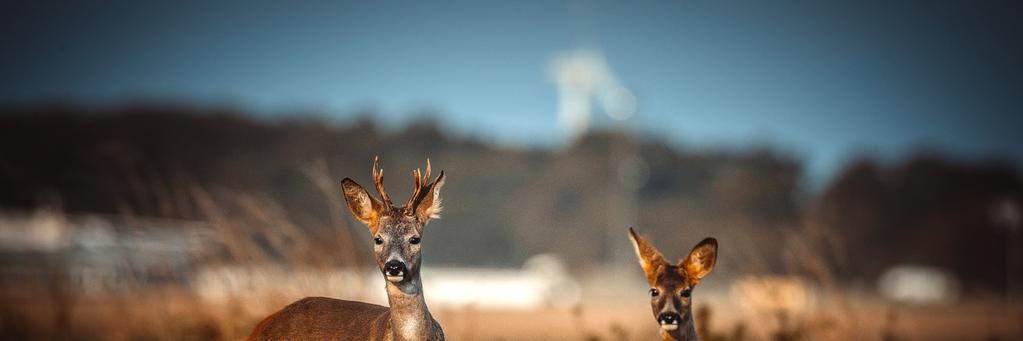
x: 649, y: 258
x: 428, y: 207
x: 701, y: 260
x: 364, y: 207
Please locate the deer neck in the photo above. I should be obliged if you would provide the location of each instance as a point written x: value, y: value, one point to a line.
x: 686, y: 330
x: 410, y: 318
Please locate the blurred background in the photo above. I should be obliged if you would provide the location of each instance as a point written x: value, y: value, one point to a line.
x: 170, y: 171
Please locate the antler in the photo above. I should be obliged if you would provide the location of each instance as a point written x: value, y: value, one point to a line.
x: 378, y: 180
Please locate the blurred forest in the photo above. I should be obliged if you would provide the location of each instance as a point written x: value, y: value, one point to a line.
x: 504, y: 204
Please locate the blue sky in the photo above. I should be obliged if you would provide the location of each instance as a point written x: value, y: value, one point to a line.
x: 823, y: 81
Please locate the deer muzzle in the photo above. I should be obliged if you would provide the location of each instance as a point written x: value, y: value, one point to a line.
x: 395, y: 271
x: 669, y: 320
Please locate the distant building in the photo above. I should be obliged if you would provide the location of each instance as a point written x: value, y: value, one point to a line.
x: 92, y: 253
x: 918, y: 284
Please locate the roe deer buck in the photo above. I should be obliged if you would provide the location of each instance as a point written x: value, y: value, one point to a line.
x: 671, y: 285
x: 397, y: 233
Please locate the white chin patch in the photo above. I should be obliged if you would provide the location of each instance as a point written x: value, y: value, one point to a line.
x: 395, y: 279
x: 669, y: 326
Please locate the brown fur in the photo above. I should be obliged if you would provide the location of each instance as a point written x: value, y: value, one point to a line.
x: 396, y: 232
x: 322, y: 318
x: 670, y: 281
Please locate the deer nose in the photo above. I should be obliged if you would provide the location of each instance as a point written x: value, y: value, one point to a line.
x: 669, y: 318
x: 394, y: 268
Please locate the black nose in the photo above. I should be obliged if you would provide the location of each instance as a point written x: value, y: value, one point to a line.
x: 394, y: 268
x: 668, y: 318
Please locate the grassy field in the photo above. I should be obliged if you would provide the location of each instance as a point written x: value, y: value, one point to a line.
x: 177, y: 314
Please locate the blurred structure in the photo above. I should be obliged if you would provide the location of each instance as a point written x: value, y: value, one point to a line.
x: 584, y: 78
x: 918, y: 285
x: 99, y: 254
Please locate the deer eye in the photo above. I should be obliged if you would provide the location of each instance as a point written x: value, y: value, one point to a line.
x: 413, y: 240
x: 687, y: 292
x: 378, y: 241
x: 654, y: 292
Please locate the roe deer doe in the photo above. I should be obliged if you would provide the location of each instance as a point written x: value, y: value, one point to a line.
x: 397, y: 233
x: 671, y: 285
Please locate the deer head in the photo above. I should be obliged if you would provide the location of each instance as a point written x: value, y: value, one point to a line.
x: 397, y: 230
x: 671, y: 285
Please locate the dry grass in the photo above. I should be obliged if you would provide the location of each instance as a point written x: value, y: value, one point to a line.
x: 175, y: 314
x: 970, y: 322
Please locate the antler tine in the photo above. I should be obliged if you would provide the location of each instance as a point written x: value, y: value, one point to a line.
x: 419, y: 179
x: 426, y: 179
x: 378, y: 180
x: 416, y: 176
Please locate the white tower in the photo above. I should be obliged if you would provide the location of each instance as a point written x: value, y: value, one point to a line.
x: 583, y: 79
